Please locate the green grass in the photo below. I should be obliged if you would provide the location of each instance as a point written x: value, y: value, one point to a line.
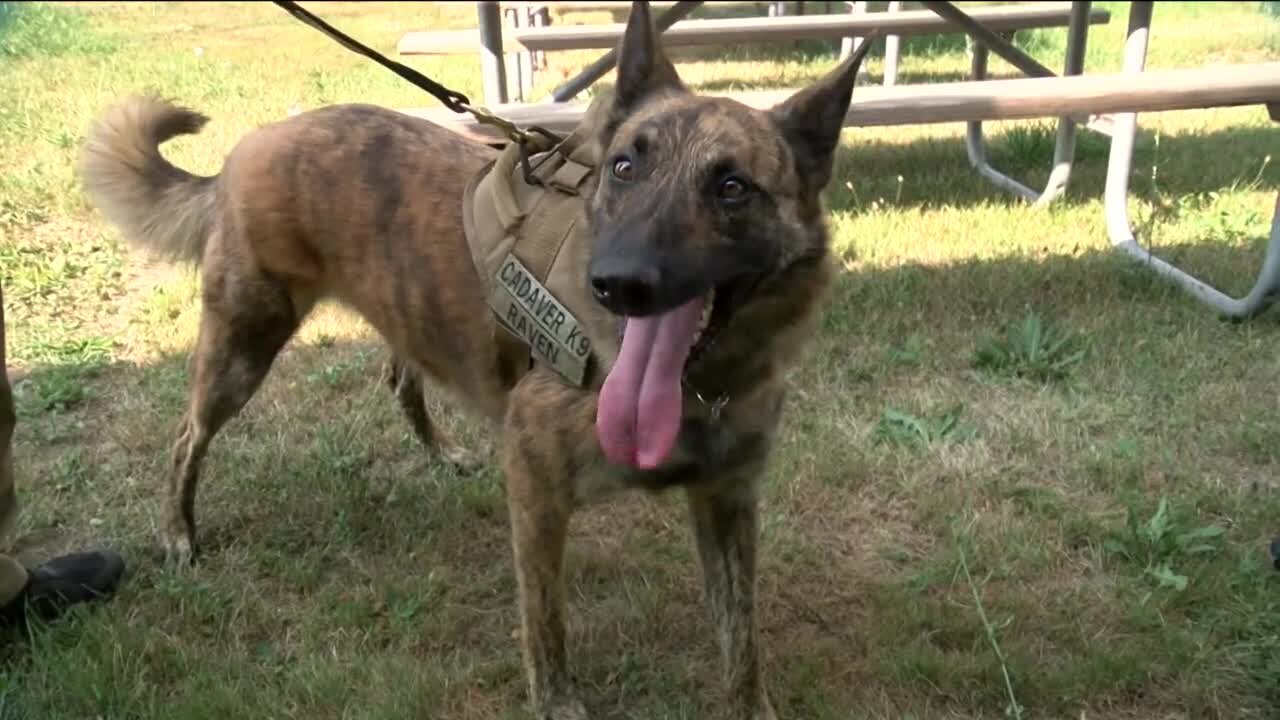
x: 1016, y: 471
x: 1031, y: 349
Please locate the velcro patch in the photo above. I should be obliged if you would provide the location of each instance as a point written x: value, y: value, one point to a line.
x: 530, y: 312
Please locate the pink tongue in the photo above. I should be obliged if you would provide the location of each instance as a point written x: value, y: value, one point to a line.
x: 638, y: 417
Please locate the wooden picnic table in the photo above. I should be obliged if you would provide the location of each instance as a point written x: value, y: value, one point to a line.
x: 530, y: 36
x: 982, y: 99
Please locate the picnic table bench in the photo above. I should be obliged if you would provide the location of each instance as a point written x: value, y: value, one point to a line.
x: 963, y: 101
x: 802, y: 27
x: 490, y: 44
x: 1069, y: 98
x: 715, y: 31
x: 458, y: 42
x: 529, y: 40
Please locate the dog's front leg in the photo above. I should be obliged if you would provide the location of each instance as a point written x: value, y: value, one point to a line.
x: 725, y: 526
x: 538, y: 446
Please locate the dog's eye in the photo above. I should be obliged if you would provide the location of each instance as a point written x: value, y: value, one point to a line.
x: 623, y: 169
x: 732, y: 190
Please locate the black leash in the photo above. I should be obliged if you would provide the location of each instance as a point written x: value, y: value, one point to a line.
x: 452, y: 99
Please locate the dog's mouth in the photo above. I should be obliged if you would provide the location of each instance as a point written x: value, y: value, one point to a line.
x: 720, y: 303
x: 717, y: 305
x: 641, y: 402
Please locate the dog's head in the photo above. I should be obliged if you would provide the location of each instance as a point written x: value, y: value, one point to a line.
x: 698, y: 200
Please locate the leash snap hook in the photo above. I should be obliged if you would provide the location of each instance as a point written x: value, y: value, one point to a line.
x: 715, y: 406
x: 546, y: 138
x: 485, y: 117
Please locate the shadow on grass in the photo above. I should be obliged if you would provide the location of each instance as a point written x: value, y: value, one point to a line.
x: 326, y: 394
x: 874, y: 79
x: 936, y: 171
x: 295, y: 508
x: 333, y: 389
x: 1091, y: 284
x: 304, y: 539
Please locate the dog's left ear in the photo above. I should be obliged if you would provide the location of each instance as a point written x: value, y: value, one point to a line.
x: 643, y: 69
x: 811, y: 119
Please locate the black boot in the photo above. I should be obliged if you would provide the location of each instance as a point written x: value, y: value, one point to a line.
x: 64, y: 581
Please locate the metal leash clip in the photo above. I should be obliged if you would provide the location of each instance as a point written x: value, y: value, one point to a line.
x: 548, y: 145
x: 485, y: 117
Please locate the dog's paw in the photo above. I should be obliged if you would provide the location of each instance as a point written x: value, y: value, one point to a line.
x: 760, y: 709
x: 765, y: 712
x: 463, y: 460
x: 568, y: 709
x: 176, y: 551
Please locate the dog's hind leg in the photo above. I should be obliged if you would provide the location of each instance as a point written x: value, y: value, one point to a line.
x: 244, y: 323
x: 405, y: 384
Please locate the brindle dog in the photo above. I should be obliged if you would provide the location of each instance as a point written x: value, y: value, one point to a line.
x: 707, y: 269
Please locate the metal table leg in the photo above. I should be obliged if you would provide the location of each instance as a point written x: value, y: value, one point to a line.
x: 987, y: 38
x: 521, y: 72
x: 1120, y: 162
x: 1065, y: 147
x: 849, y: 45
x: 539, y: 17
x: 489, y: 18
x: 892, y: 50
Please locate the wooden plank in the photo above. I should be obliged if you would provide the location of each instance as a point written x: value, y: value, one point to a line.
x: 1019, y: 99
x: 803, y: 27
x: 462, y: 42
x: 625, y: 4
x: 711, y: 32
x: 445, y: 42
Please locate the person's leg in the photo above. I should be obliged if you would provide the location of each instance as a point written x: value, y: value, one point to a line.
x: 66, y: 580
x: 13, y: 576
x: 13, y: 580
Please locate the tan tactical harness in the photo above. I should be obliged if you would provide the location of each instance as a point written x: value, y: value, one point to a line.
x: 517, y: 231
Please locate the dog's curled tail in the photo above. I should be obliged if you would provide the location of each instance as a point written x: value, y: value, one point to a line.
x: 156, y: 204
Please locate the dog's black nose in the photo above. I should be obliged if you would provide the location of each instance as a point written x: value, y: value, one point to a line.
x: 625, y: 287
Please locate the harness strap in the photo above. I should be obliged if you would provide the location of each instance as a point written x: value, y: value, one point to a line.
x: 519, y: 214
x: 564, y: 172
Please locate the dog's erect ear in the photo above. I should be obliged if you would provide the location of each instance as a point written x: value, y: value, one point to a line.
x: 811, y: 119
x: 643, y: 69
